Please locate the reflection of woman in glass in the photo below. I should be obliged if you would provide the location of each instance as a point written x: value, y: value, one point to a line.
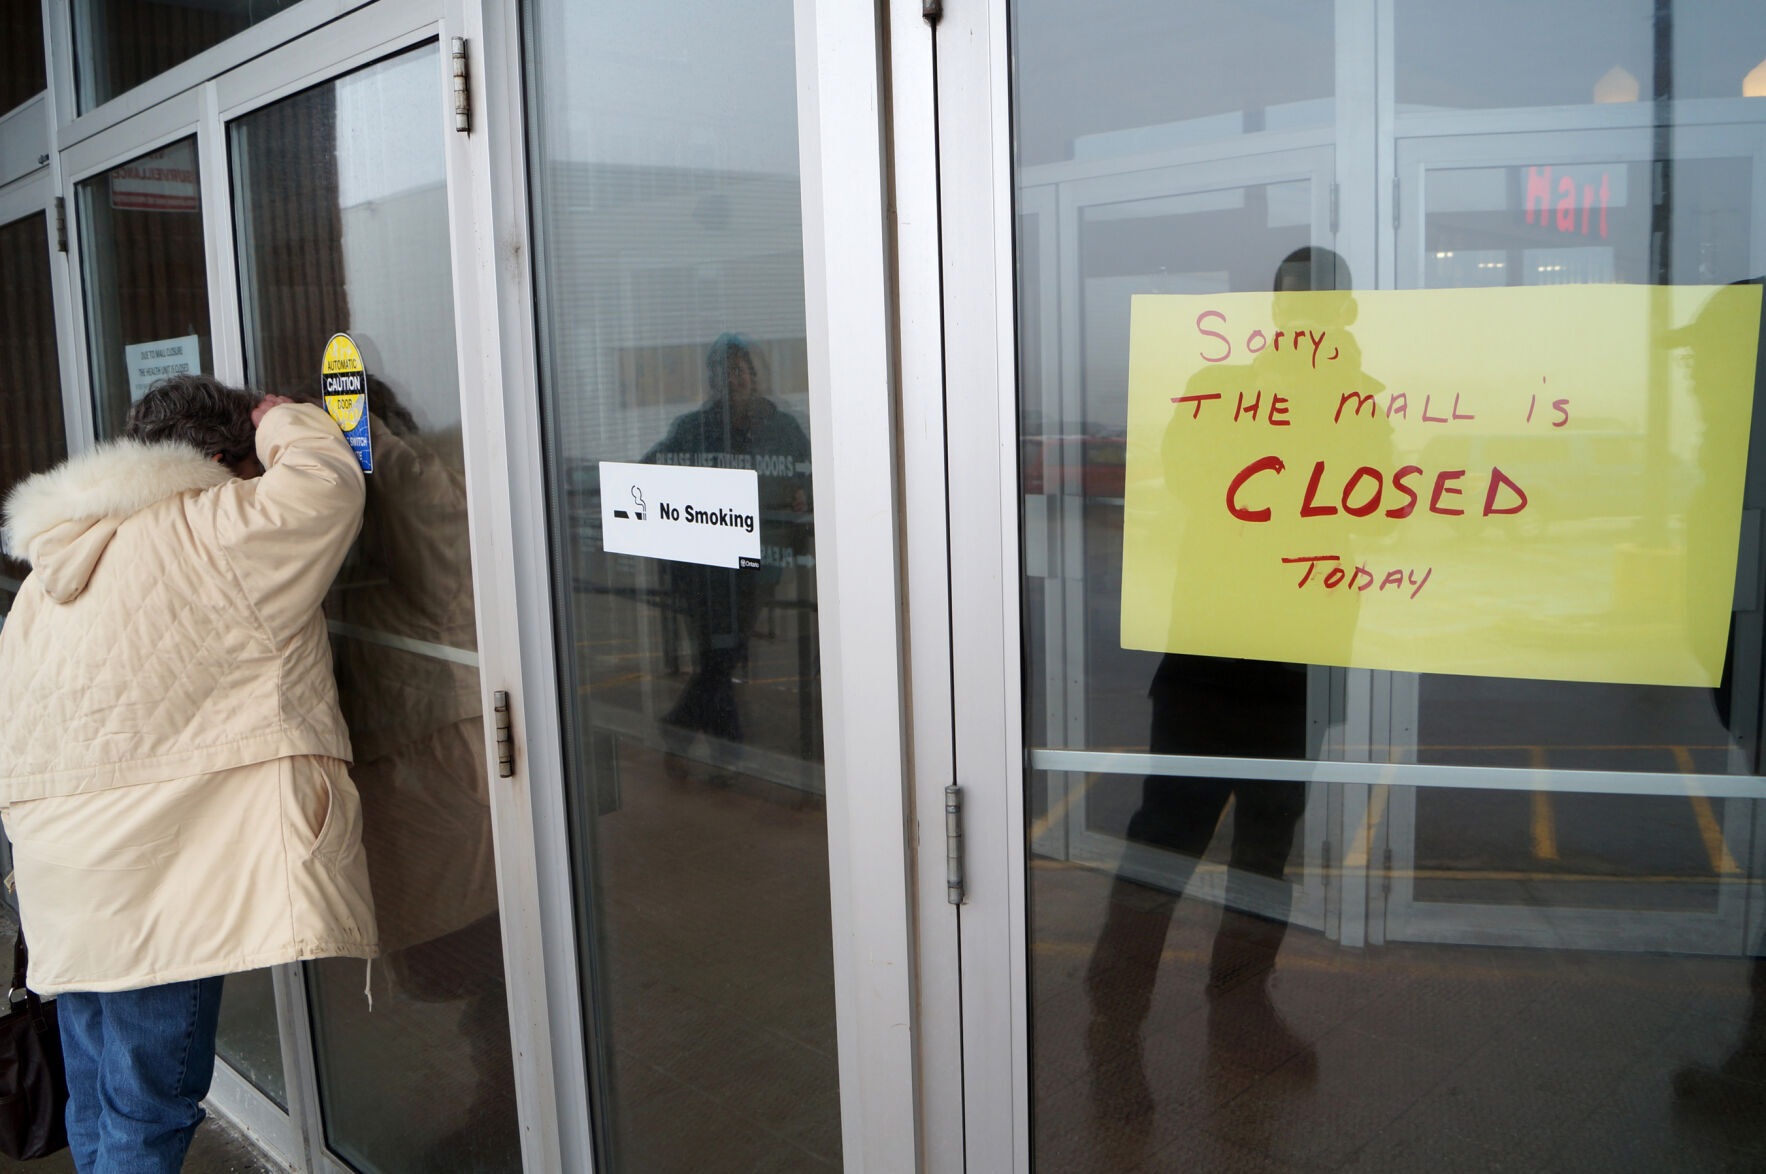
x: 416, y: 721
x: 1223, y: 708
x: 738, y: 428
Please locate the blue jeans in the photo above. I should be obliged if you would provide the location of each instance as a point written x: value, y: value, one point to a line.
x: 138, y: 1065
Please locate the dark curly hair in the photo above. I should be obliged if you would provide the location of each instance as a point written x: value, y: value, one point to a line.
x: 199, y: 411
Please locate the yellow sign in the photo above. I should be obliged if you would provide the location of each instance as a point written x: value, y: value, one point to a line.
x: 345, y: 379
x: 1537, y: 482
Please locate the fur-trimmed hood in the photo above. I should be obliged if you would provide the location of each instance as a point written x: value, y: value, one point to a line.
x: 61, y: 521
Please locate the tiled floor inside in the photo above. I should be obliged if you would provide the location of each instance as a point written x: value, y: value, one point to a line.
x: 1428, y: 1058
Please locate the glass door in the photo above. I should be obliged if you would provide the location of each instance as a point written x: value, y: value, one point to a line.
x: 674, y: 382
x: 1268, y: 869
x: 340, y: 215
x: 234, y: 229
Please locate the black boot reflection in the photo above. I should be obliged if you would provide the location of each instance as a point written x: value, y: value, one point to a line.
x: 1213, y: 707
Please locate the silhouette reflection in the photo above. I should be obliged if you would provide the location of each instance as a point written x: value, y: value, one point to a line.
x: 737, y: 428
x: 1226, y: 708
x: 402, y: 605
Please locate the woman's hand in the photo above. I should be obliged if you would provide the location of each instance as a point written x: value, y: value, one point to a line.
x: 264, y: 405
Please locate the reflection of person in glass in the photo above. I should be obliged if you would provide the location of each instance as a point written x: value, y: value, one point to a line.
x: 738, y: 428
x: 1223, y: 708
x: 416, y: 720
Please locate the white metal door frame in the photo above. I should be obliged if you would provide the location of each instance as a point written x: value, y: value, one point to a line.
x: 979, y: 276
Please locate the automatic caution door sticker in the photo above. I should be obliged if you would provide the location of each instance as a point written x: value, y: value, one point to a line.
x: 681, y: 512
x: 345, y: 379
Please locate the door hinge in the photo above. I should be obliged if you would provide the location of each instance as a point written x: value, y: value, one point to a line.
x: 1397, y: 205
x: 1336, y: 193
x: 60, y: 224
x: 462, y: 97
x: 932, y: 10
x: 505, y: 737
x: 953, y: 844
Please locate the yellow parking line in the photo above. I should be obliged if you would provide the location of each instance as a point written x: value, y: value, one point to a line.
x: 1545, y: 823
x: 1358, y: 848
x: 1059, y: 810
x: 1710, y: 831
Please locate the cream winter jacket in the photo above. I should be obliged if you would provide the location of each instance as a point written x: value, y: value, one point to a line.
x: 172, y: 757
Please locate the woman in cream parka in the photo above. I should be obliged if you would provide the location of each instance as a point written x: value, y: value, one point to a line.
x: 173, y: 764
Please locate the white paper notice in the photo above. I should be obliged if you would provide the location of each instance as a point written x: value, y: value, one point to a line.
x: 680, y: 512
x: 149, y: 362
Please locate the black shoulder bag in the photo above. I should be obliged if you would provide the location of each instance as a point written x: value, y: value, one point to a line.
x: 33, y: 1082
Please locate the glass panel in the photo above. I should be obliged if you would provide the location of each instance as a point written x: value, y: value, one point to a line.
x: 118, y: 44
x: 1547, y: 957
x: 146, y: 287
x: 1192, y: 72
x: 249, y: 1037
x: 23, y: 65
x: 669, y: 256
x: 30, y: 373
x: 146, y: 280
x: 341, y: 207
x: 1575, y: 52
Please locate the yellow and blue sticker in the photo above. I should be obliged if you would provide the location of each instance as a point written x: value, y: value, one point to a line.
x: 345, y: 379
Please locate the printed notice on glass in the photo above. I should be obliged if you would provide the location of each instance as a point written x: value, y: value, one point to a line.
x: 149, y: 362
x: 681, y: 512
x: 1539, y: 482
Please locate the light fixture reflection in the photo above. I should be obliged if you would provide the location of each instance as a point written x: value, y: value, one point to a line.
x: 1754, y: 85
x: 1616, y: 85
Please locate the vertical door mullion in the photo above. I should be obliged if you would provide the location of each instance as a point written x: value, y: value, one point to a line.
x: 516, y: 813
x: 299, y: 1067
x: 926, y: 583
x: 497, y: 175
x: 225, y: 336
x: 976, y: 215
x: 847, y: 298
